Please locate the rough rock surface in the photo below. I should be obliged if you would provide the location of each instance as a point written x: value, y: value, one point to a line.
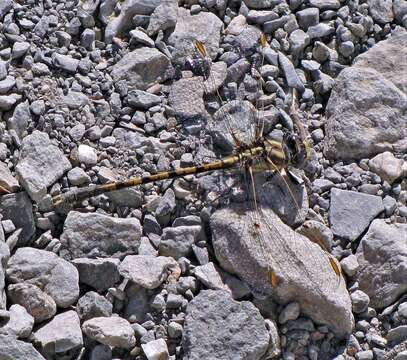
x: 350, y: 213
x: 382, y: 255
x: 303, y: 270
x: 55, y: 276
x: 40, y: 164
x: 112, y: 331
x: 366, y: 110
x: 218, y: 327
x: 96, y: 235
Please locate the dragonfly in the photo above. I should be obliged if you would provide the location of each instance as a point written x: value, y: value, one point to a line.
x: 251, y: 150
x: 200, y: 64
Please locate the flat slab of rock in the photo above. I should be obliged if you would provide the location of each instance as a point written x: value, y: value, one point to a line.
x: 112, y: 331
x: 11, y: 348
x: 250, y: 247
x: 186, y: 98
x: 382, y: 257
x: 142, y: 68
x: 351, y: 212
x: 55, y: 276
x: 366, y: 110
x: 62, y: 334
x: 204, y: 26
x: 96, y: 235
x: 218, y: 327
x: 147, y: 271
x: 41, y: 164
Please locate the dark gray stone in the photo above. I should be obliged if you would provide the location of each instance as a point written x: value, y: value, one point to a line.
x: 18, y: 208
x: 93, y: 305
x: 100, y: 274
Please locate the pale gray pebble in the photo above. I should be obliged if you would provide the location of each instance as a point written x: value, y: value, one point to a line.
x: 364, y: 355
x: 350, y: 265
x: 77, y: 176
x: 113, y: 331
x: 360, y: 301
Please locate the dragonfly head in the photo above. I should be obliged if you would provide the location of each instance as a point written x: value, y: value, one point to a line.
x: 297, y: 151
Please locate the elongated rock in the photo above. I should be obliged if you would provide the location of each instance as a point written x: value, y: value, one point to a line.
x: 250, y: 244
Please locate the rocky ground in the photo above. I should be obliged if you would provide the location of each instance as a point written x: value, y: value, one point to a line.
x: 94, y: 91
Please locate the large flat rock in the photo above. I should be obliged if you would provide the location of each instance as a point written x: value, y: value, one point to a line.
x: 366, y: 113
x: 249, y: 244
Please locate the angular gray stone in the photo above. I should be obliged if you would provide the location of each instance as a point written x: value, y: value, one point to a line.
x: 381, y: 10
x: 8, y: 101
x: 19, y: 49
x: 382, y: 255
x: 156, y: 349
x: 205, y: 27
x: 142, y: 99
x: 142, y: 68
x: 20, y: 119
x: 62, y: 334
x: 65, y: 62
x: 5, y: 7
x: 291, y: 76
x: 218, y: 327
x: 366, y: 110
x: 325, y: 4
x: 93, y: 305
x: 99, y: 274
x: 20, y: 324
x: 39, y: 304
x: 186, y: 98
x: 307, y: 17
x: 129, y: 8
x: 17, y: 207
x: 112, y: 331
x: 13, y: 349
x: 96, y: 235
x: 303, y: 272
x: 41, y: 164
x: 350, y: 212
x: 55, y: 276
x: 210, y: 276
x: 7, y: 84
x: 164, y: 17
x: 177, y: 241
x: 75, y: 99
x: 388, y: 167
x: 147, y: 271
